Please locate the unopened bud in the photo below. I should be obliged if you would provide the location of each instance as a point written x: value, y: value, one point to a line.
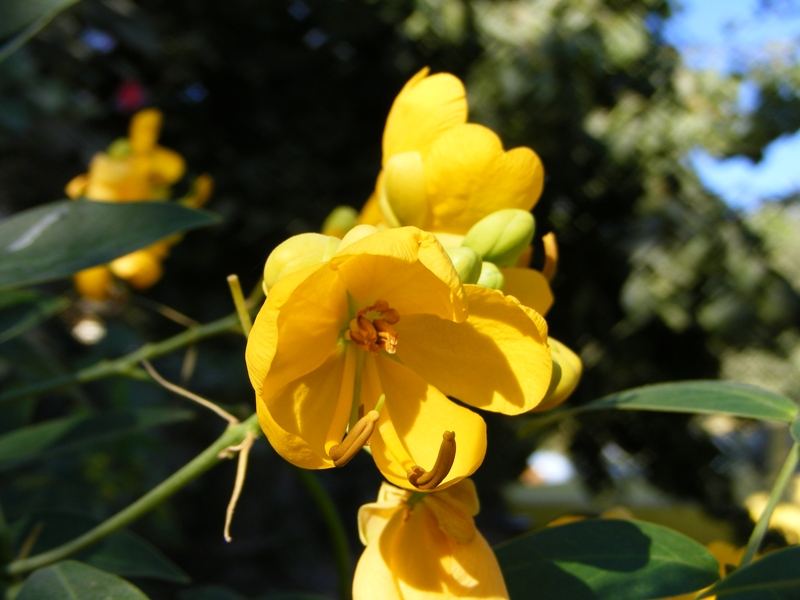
x: 491, y: 277
x: 340, y: 220
x: 297, y: 252
x: 502, y: 236
x: 567, y: 371
x: 466, y: 262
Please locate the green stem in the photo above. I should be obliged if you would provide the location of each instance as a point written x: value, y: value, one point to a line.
x: 201, y: 463
x: 778, y: 489
x: 124, y: 364
x: 336, y: 530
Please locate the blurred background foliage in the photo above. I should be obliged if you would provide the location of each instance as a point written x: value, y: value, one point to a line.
x: 283, y: 103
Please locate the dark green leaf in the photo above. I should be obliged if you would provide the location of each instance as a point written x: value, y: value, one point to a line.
x: 605, y: 558
x: 20, y: 310
x: 775, y: 576
x: 23, y: 19
x: 72, y: 580
x: 58, y: 239
x: 718, y: 397
x: 80, y: 431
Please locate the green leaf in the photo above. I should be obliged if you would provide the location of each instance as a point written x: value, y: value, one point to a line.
x: 718, y: 397
x: 796, y: 430
x: 56, y: 240
x: 23, y: 19
x: 775, y: 576
x: 605, y: 558
x: 21, y: 310
x: 72, y: 580
x: 77, y: 432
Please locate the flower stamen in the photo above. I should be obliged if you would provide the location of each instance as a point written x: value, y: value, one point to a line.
x: 550, y: 256
x: 428, y: 480
x: 356, y: 438
x: 372, y: 328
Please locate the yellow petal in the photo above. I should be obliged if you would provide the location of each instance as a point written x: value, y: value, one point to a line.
x: 94, y: 283
x: 309, y: 415
x: 144, y: 130
x: 373, y: 517
x: 373, y: 578
x: 310, y: 322
x: 426, y: 107
x: 454, y: 509
x: 529, y: 287
x: 468, y: 176
x: 166, y: 166
x: 406, y: 267
x: 567, y: 371
x: 404, y: 189
x: 474, y: 571
x: 371, y: 211
x: 413, y: 419
x: 77, y: 186
x: 497, y: 360
x: 141, y: 269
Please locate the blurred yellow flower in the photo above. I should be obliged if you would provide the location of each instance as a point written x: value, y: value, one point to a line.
x: 372, y: 341
x: 135, y: 168
x: 425, y: 546
x: 441, y: 173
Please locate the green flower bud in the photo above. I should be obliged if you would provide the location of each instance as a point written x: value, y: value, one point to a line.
x: 502, y: 236
x: 297, y: 252
x: 119, y: 148
x: 491, y: 277
x: 341, y: 220
x: 467, y: 263
x: 403, y: 200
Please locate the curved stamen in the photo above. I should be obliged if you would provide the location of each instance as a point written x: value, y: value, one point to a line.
x: 356, y: 438
x: 372, y: 328
x: 428, y: 480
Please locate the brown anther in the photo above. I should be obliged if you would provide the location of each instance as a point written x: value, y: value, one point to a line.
x: 356, y: 438
x: 371, y: 328
x: 550, y: 256
x: 429, y: 480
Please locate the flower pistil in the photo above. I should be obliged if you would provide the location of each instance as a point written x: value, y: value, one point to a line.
x: 429, y: 480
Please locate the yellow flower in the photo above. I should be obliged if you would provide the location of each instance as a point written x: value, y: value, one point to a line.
x: 135, y: 168
x: 425, y: 546
x: 441, y: 173
x: 372, y: 341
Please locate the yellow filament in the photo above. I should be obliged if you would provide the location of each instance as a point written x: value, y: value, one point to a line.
x: 428, y: 480
x: 550, y: 256
x: 356, y: 438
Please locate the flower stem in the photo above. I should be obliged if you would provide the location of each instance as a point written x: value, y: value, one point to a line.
x: 239, y: 303
x: 123, y: 364
x: 778, y: 489
x: 336, y: 530
x: 201, y: 463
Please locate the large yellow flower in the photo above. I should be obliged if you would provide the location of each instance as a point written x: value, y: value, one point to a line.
x: 372, y: 341
x: 425, y: 547
x: 441, y: 173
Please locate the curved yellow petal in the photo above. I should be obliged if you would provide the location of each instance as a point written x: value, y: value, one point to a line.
x: 468, y: 176
x: 94, y: 283
x: 141, y: 269
x: 310, y: 322
x: 426, y: 107
x: 412, y: 421
x: 371, y: 211
x: 166, y: 166
x: 404, y: 189
x: 474, y: 571
x: 373, y: 577
x: 309, y: 415
x: 529, y: 287
x: 406, y: 267
x: 567, y: 371
x: 497, y: 360
x: 144, y: 129
x: 373, y: 517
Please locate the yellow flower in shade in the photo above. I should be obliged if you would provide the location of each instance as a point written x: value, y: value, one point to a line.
x: 441, y: 173
x: 133, y: 168
x: 366, y: 347
x: 141, y: 269
x: 425, y: 546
